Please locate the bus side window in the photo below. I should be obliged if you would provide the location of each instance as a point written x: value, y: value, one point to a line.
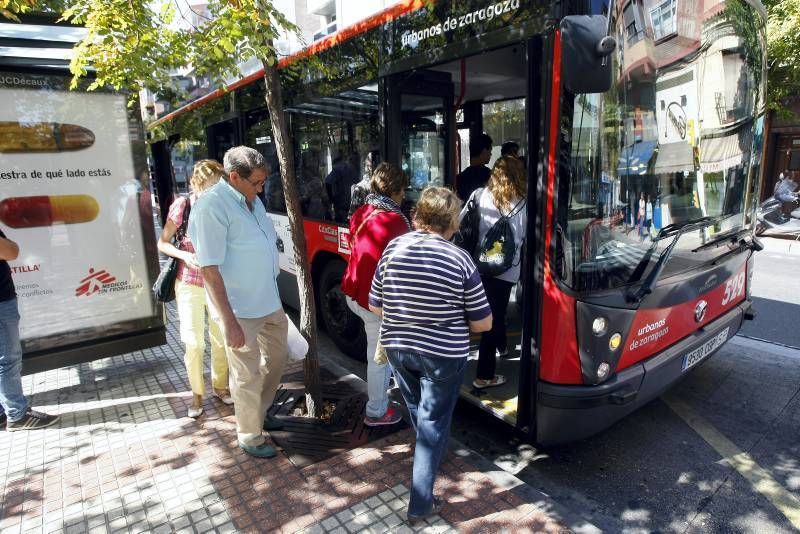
x: 258, y: 135
x: 273, y: 193
x: 333, y: 139
x: 313, y: 199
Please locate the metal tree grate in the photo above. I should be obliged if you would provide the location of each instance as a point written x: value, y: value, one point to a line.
x: 306, y: 441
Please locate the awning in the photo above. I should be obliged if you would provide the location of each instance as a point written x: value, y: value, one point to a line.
x: 674, y: 157
x: 720, y: 153
x: 38, y: 45
x: 634, y: 159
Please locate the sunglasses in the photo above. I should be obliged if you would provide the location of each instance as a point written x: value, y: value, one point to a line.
x: 259, y: 183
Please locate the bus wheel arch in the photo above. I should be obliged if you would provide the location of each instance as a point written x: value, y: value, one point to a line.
x: 344, y: 327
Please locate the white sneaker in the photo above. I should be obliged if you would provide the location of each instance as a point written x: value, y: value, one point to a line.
x: 194, y: 413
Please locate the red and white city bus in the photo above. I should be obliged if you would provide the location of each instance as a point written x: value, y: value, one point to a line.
x: 643, y: 162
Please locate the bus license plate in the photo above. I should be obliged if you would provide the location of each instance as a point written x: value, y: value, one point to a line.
x: 699, y: 354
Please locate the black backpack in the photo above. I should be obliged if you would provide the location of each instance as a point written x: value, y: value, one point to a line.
x: 495, y: 255
x: 467, y: 235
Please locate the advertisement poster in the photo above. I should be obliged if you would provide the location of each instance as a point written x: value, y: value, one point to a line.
x: 676, y: 96
x: 69, y: 196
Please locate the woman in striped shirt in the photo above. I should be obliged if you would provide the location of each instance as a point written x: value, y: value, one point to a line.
x: 430, y: 296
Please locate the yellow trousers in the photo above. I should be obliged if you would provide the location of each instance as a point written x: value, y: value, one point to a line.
x: 191, y: 302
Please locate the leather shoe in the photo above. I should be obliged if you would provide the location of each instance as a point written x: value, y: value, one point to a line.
x: 259, y: 451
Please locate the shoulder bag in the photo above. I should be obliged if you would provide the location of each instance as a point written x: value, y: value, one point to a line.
x: 164, y: 288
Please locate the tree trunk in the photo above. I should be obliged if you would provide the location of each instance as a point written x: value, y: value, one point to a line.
x: 308, y: 315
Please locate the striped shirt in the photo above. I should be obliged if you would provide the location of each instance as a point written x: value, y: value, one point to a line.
x: 428, y: 289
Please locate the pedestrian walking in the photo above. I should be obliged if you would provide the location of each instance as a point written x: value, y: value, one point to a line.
x: 236, y: 248
x: 190, y: 296
x: 430, y: 296
x: 640, y: 217
x: 15, y: 410
x: 504, y: 197
x: 372, y: 227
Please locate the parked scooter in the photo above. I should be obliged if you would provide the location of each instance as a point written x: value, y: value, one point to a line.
x: 771, y: 216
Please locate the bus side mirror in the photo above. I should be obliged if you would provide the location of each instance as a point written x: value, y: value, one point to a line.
x: 586, y: 47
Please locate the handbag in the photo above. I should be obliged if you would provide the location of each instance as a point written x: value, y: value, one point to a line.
x: 467, y: 235
x: 297, y: 344
x: 164, y: 287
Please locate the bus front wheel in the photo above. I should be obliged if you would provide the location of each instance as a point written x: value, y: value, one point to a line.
x: 343, y: 326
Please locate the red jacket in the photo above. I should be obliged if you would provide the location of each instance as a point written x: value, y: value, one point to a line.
x: 366, y: 246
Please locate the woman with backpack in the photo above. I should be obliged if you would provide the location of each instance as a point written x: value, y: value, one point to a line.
x: 503, y: 217
x: 372, y: 227
x: 190, y: 295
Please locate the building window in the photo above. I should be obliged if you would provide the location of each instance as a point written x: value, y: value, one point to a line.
x: 631, y: 31
x: 329, y: 26
x: 662, y: 17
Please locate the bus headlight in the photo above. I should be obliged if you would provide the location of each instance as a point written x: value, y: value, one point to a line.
x: 615, y: 341
x: 602, y: 371
x: 599, y: 326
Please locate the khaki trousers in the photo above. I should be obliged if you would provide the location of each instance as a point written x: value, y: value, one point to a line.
x: 256, y: 370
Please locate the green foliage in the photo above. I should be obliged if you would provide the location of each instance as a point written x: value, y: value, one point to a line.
x: 783, y: 52
x: 11, y: 8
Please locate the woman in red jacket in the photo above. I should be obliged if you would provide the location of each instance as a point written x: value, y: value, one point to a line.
x: 372, y: 226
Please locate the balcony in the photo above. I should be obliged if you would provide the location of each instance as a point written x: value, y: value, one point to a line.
x: 325, y: 8
x: 638, y: 55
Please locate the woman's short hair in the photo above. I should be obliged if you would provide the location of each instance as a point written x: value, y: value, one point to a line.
x: 508, y: 181
x: 387, y: 179
x: 206, y: 173
x: 438, y: 209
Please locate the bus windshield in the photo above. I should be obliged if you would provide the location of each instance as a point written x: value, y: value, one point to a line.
x: 676, y: 139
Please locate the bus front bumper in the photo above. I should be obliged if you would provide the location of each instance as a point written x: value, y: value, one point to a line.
x: 569, y: 413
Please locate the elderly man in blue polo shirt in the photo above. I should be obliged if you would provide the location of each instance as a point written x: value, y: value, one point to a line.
x: 236, y: 246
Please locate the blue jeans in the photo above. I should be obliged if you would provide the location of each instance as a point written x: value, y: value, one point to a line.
x: 430, y: 389
x: 377, y: 375
x: 12, y: 402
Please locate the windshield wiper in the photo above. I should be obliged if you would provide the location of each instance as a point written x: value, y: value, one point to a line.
x: 671, y: 229
x: 722, y: 236
x: 676, y: 230
x: 730, y: 235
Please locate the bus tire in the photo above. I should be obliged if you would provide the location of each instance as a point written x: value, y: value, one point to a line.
x: 343, y: 326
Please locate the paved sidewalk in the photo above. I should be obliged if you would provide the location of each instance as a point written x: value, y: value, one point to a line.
x: 125, y: 458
